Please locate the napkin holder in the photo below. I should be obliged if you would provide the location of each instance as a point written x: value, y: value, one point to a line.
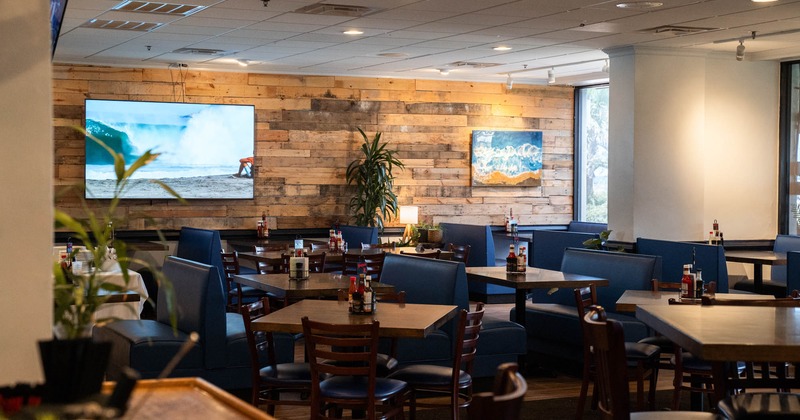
x: 298, y: 268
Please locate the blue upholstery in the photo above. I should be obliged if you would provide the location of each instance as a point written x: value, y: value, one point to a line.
x: 201, y: 245
x: 480, y: 255
x: 710, y: 258
x: 432, y: 281
x: 586, y: 227
x: 221, y: 356
x: 776, y: 284
x: 547, y: 247
x: 792, y: 271
x: 354, y: 236
x: 553, y: 325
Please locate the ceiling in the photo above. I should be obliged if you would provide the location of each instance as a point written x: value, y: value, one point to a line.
x: 418, y: 38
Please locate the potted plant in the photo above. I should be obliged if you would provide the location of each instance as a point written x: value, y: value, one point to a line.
x: 78, y: 293
x: 429, y: 233
x: 374, y: 201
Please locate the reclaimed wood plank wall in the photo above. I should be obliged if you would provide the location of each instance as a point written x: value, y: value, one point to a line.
x: 306, y: 136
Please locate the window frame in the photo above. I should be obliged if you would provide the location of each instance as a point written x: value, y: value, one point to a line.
x: 579, y: 189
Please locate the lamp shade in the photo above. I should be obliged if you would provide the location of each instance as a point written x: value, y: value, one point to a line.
x: 409, y: 215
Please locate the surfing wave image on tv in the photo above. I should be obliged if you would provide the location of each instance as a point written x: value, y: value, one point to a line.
x: 200, y: 146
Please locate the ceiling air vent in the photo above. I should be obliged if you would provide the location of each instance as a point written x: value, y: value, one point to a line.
x: 677, y: 30
x: 473, y: 64
x: 159, y: 8
x: 335, y: 10
x: 200, y: 51
x: 124, y: 25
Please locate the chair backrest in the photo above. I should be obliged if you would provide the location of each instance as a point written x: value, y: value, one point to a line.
x: 280, y: 266
x: 505, y: 400
x: 199, y: 305
x: 460, y: 252
x: 342, y: 350
x: 372, y: 261
x: 607, y: 343
x: 316, y: 262
x: 354, y: 236
x: 784, y: 243
x: 792, y: 271
x: 466, y: 343
x: 585, y: 298
x: 201, y: 245
x: 230, y: 266
x: 261, y: 344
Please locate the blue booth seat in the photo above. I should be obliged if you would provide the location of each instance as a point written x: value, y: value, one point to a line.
x: 221, y: 355
x: 554, y: 330
x: 201, y: 245
x: 586, y: 227
x: 432, y: 281
x: 777, y: 283
x: 547, y: 247
x: 710, y: 258
x: 354, y: 236
x: 481, y: 254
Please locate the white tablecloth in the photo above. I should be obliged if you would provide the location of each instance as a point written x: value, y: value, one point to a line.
x: 128, y: 310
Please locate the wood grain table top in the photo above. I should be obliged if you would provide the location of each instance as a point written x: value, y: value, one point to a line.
x: 316, y: 285
x: 631, y: 299
x: 756, y: 257
x: 532, y: 278
x: 396, y: 320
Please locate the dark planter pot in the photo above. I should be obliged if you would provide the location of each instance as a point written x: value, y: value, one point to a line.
x: 73, y: 369
x: 423, y: 235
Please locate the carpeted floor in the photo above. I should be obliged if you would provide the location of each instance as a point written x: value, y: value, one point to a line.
x: 556, y: 409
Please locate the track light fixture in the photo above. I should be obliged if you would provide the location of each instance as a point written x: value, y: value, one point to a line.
x: 266, y: 2
x: 509, y: 82
x: 551, y: 76
x: 740, y: 51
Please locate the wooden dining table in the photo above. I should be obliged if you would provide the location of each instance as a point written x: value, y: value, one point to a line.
x: 337, y: 257
x: 407, y: 320
x: 758, y: 259
x: 726, y: 333
x: 532, y: 278
x: 631, y: 299
x: 317, y: 285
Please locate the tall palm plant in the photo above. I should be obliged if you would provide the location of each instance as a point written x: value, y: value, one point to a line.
x: 374, y: 200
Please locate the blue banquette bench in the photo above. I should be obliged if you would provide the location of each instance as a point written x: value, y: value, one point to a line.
x: 431, y: 281
x: 710, y: 258
x: 553, y: 327
x: 586, y: 227
x: 481, y: 254
x: 547, y: 246
x: 777, y: 283
x: 221, y: 355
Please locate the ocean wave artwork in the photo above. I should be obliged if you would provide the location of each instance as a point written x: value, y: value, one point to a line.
x: 507, y: 158
x: 199, y: 147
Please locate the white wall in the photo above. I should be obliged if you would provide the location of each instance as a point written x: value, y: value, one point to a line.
x: 671, y: 110
x: 26, y: 171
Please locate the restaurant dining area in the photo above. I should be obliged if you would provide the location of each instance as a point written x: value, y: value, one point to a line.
x: 373, y: 236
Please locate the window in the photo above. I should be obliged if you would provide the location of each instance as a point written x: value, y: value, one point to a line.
x: 591, y: 154
x: 789, y: 200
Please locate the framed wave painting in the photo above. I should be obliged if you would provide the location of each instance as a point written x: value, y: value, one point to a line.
x: 506, y: 158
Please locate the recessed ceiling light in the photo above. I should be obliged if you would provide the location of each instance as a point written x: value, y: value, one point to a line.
x: 444, y: 72
x: 640, y: 5
x: 501, y: 48
x: 353, y: 32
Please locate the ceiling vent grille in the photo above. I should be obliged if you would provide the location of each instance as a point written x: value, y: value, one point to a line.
x: 473, y: 64
x: 678, y: 30
x: 123, y: 25
x: 159, y: 8
x: 200, y: 51
x: 336, y: 10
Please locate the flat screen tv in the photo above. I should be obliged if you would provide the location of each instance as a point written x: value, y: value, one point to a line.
x: 57, y: 8
x: 202, y: 148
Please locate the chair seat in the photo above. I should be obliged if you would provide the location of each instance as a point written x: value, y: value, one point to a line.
x: 641, y: 351
x: 355, y: 387
x: 761, y: 405
x: 385, y: 364
x: 665, y: 344
x: 421, y: 375
x: 284, y: 373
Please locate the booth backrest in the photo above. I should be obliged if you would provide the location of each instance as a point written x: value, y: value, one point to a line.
x: 792, y: 271
x: 784, y: 243
x: 547, y: 247
x: 354, y: 236
x: 586, y: 227
x: 201, y: 245
x: 478, y: 237
x: 710, y: 258
x: 624, y: 272
x: 427, y: 280
x: 199, y: 305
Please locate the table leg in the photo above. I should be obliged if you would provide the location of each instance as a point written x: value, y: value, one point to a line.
x: 719, y: 373
x: 758, y: 277
x: 520, y: 298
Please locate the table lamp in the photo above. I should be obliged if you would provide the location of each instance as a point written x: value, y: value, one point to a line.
x: 409, y: 215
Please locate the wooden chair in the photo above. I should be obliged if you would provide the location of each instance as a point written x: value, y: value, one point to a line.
x: 346, y: 355
x: 505, y: 400
x: 316, y: 262
x: 373, y: 263
x: 460, y: 252
x: 454, y: 381
x: 607, y: 345
x: 643, y: 359
x: 271, y: 379
x: 237, y: 294
x: 279, y: 267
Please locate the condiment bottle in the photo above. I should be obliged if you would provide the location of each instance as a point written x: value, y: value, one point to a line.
x: 687, y: 282
x: 511, y: 260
